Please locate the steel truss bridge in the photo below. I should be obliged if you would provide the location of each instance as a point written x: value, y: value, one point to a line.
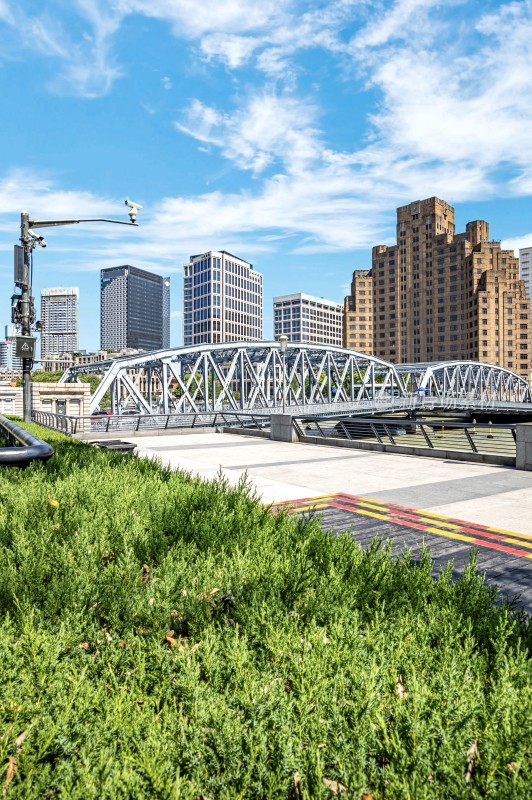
x: 252, y: 376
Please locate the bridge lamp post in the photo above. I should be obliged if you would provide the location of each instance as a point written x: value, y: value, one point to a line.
x: 283, y: 341
x: 22, y: 305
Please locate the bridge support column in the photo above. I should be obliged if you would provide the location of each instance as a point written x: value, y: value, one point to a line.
x: 282, y: 429
x: 523, y: 447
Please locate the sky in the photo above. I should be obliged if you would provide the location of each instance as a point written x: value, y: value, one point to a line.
x: 283, y: 131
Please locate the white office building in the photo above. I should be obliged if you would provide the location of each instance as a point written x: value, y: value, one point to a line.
x: 222, y: 299
x: 525, y: 272
x: 59, y: 320
x: 304, y: 318
x: 525, y: 268
x: 8, y: 360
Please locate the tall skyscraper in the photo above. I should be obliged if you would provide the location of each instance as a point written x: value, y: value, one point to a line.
x: 222, y: 299
x: 59, y: 319
x: 525, y: 273
x: 438, y: 296
x: 135, y: 309
x: 304, y: 318
x: 14, y: 363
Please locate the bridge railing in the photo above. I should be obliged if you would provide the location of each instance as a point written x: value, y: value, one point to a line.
x: 488, y: 439
x: 133, y: 423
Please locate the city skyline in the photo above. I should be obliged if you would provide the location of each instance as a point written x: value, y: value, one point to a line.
x: 287, y: 133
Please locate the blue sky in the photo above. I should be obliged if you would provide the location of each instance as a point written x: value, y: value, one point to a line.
x: 286, y: 132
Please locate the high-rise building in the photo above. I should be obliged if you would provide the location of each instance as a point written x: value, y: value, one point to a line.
x: 222, y: 299
x: 6, y: 356
x: 135, y: 309
x: 525, y: 273
x: 439, y: 296
x: 15, y: 364
x: 304, y: 318
x: 59, y: 320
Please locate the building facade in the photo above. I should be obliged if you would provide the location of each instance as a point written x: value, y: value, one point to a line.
x: 59, y: 320
x: 358, y: 313
x: 7, y: 355
x: 134, y: 309
x: 59, y: 363
x: 525, y: 268
x: 304, y: 318
x: 438, y: 295
x: 525, y: 273
x: 222, y: 299
x: 9, y: 363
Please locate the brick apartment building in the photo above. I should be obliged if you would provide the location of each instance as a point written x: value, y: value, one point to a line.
x: 438, y: 295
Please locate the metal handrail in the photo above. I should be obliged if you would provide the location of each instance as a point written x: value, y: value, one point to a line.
x: 23, y: 447
x: 145, y: 422
x: 442, y: 434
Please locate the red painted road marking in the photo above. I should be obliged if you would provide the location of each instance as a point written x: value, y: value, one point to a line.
x: 418, y: 520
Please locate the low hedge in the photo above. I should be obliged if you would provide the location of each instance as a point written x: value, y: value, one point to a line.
x: 165, y: 637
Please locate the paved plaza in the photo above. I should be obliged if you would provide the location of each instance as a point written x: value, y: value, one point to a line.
x: 450, y: 506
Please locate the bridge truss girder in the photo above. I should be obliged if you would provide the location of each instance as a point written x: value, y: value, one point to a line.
x: 465, y: 379
x: 240, y: 376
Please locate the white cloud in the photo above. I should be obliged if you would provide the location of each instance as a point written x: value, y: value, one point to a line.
x: 449, y: 116
x: 192, y: 19
x: 87, y: 66
x: 21, y: 189
x: 456, y: 109
x: 517, y: 243
x: 231, y: 49
x: 6, y: 14
x: 277, y: 128
x: 396, y: 23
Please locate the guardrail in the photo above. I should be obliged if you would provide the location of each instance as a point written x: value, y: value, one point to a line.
x: 498, y: 440
x: 23, y: 447
x: 134, y: 423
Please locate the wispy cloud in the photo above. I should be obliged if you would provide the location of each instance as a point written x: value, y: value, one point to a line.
x: 277, y: 129
x: 451, y: 114
x: 83, y: 50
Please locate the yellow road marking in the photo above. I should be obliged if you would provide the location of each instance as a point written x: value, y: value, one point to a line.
x: 363, y: 506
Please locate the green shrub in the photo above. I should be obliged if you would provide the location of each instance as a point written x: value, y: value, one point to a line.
x: 163, y: 637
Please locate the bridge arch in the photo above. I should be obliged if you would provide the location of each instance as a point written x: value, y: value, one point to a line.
x: 465, y: 380
x: 240, y: 376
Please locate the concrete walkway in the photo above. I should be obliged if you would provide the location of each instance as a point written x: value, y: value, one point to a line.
x: 495, y: 496
x: 496, y: 500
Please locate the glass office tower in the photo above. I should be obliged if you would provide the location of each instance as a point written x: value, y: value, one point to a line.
x: 135, y: 309
x: 59, y: 319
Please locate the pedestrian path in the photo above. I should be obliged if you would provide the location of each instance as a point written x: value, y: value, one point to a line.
x: 451, y: 507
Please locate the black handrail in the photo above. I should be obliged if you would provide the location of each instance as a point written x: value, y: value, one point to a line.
x: 23, y: 446
x: 442, y: 434
x: 146, y: 422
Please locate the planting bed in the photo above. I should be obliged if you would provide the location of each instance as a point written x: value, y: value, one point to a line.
x: 161, y: 637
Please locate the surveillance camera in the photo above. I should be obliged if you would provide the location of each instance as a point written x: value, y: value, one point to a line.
x: 134, y: 207
x: 37, y: 238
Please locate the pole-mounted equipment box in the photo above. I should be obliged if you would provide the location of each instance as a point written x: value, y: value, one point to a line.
x: 20, y: 270
x: 25, y: 346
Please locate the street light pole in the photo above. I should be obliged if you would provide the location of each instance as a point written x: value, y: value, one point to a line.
x: 283, y: 340
x: 25, y: 313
